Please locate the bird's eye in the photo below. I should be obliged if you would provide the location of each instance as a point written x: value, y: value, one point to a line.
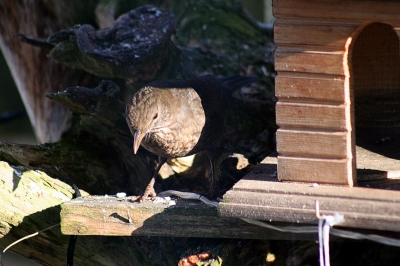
x: 155, y: 116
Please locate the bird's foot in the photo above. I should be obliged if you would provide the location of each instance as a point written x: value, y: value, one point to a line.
x: 147, y: 195
x: 149, y: 192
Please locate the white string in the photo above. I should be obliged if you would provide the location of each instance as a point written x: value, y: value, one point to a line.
x: 325, y: 236
x: 325, y: 222
x: 320, y: 242
x: 188, y: 195
x: 26, y: 237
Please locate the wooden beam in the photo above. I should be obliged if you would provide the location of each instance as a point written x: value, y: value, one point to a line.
x: 111, y: 216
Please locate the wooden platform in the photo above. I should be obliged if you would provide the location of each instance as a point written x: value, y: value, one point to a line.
x: 111, y: 216
x: 261, y: 196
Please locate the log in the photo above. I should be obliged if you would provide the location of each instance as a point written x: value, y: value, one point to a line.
x: 24, y: 211
x: 136, y: 48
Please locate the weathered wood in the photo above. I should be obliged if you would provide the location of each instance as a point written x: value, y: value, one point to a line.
x: 310, y: 87
x: 34, y: 73
x: 260, y: 196
x: 30, y: 202
x: 15, y: 204
x: 136, y: 52
x: 99, y: 215
x: 311, y: 115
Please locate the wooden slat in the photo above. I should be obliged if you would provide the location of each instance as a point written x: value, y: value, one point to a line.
x: 328, y: 171
x: 310, y: 87
x: 300, y: 33
x: 256, y: 198
x: 311, y: 115
x: 354, y: 11
x: 300, y: 60
x: 109, y: 216
x: 312, y: 143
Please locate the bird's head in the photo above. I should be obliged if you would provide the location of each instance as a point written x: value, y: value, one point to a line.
x: 143, y: 115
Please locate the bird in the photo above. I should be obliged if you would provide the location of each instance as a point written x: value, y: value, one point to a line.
x: 180, y: 117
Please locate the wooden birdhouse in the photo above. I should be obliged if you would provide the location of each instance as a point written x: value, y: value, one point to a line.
x: 338, y: 86
x: 338, y: 112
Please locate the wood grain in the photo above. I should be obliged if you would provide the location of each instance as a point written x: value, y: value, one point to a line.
x: 306, y: 33
x: 320, y: 144
x: 311, y: 61
x: 325, y: 171
x: 311, y: 87
x: 333, y: 10
x: 111, y: 216
x: 311, y: 115
x: 33, y: 72
x: 257, y: 197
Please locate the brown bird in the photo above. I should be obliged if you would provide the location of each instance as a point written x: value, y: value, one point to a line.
x: 176, y: 118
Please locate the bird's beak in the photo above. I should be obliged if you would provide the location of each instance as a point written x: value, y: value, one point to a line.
x: 137, y: 139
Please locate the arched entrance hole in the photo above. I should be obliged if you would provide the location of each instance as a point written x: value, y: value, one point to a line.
x: 374, y: 81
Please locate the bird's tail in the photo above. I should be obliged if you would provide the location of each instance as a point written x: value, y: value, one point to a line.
x: 236, y: 82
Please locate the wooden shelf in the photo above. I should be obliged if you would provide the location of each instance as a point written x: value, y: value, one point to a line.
x: 260, y: 196
x: 109, y: 216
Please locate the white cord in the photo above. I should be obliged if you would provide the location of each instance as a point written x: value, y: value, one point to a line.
x: 188, y: 195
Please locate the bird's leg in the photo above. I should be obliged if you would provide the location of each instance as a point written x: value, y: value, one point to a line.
x: 214, y: 184
x: 149, y: 191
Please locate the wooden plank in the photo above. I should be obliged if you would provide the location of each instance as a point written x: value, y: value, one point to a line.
x: 303, y: 33
x: 321, y: 144
x: 310, y: 87
x: 111, y: 216
x: 315, y: 170
x: 301, y: 60
x: 311, y: 115
x: 333, y: 10
x: 255, y: 198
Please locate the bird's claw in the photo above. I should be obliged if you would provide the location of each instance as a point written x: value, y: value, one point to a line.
x: 149, y: 192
